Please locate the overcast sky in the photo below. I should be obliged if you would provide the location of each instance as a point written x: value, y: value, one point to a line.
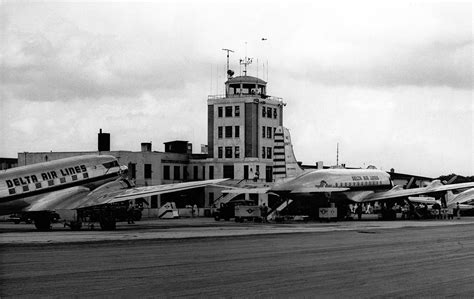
x: 390, y: 82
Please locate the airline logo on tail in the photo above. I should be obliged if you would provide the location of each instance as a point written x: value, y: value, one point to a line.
x: 284, y: 161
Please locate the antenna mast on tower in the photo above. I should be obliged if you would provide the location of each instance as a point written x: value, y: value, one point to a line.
x: 245, y: 62
x: 337, y: 155
x: 228, y: 73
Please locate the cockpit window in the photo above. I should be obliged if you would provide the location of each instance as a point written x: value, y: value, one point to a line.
x: 111, y: 164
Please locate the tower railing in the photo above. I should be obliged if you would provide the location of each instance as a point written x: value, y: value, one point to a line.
x: 223, y: 96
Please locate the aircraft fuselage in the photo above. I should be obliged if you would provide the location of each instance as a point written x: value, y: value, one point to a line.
x: 21, y: 186
x: 354, y: 179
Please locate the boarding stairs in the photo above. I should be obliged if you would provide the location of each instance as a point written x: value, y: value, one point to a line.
x: 168, y: 211
x: 276, y: 212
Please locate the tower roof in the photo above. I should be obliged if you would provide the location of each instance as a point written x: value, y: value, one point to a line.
x: 246, y: 79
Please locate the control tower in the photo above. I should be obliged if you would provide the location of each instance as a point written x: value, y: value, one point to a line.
x: 241, y: 128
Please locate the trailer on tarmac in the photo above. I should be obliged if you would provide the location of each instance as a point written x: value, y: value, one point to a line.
x: 248, y: 212
x: 240, y: 210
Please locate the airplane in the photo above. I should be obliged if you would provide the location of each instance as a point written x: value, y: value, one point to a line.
x: 89, y: 183
x: 338, y: 185
x: 463, y: 200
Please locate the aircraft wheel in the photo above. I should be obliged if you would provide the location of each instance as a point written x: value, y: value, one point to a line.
x: 43, y: 222
x: 76, y: 225
x: 108, y: 224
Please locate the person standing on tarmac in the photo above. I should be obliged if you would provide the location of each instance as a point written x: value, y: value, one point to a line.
x: 130, y: 213
x: 359, y: 211
x: 264, y: 212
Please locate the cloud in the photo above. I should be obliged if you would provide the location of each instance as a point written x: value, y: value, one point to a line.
x: 65, y: 63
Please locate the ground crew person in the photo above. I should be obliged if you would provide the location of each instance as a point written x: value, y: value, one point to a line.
x: 264, y: 212
x: 130, y: 213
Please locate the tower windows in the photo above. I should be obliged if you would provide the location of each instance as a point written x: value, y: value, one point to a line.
x: 269, y: 152
x: 219, y: 111
x: 228, y: 132
x: 237, y: 152
x: 219, y: 152
x: 237, y: 111
x: 219, y: 132
x: 264, y: 111
x: 237, y: 132
x: 228, y: 111
x: 263, y: 131
x: 269, y: 132
x: 228, y: 151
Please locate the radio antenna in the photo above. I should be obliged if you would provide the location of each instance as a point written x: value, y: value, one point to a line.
x: 228, y: 51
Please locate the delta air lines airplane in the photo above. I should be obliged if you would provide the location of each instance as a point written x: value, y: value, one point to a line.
x: 339, y: 184
x: 74, y: 183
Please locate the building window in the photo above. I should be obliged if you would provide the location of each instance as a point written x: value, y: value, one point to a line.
x: 166, y: 172
x: 237, y: 152
x: 176, y: 174
x: 219, y: 152
x: 219, y: 111
x: 263, y: 131
x: 185, y: 173
x: 237, y: 111
x: 269, y: 132
x: 228, y: 132
x: 237, y: 132
x: 147, y: 171
x: 228, y: 111
x: 274, y: 112
x: 269, y: 112
x: 228, y: 151
x: 264, y: 111
x: 204, y: 172
x: 269, y: 152
x: 211, y: 172
x: 132, y: 170
x: 195, y: 172
x: 219, y: 132
x: 263, y: 152
x: 154, y: 202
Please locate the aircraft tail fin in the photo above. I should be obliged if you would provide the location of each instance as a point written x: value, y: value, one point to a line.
x: 284, y: 162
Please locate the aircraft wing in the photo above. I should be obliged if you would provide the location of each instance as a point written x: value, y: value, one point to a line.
x: 82, y: 197
x: 66, y: 199
x: 139, y: 192
x: 464, y: 197
x: 319, y: 190
x: 247, y: 190
x: 399, y: 192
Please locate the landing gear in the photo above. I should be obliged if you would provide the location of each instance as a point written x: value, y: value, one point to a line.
x: 107, y: 219
x: 75, y: 225
x: 43, y: 221
x: 107, y: 223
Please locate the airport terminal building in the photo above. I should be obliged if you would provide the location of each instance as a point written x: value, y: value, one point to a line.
x: 241, y: 129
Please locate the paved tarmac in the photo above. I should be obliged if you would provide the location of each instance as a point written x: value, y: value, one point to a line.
x: 203, y: 258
